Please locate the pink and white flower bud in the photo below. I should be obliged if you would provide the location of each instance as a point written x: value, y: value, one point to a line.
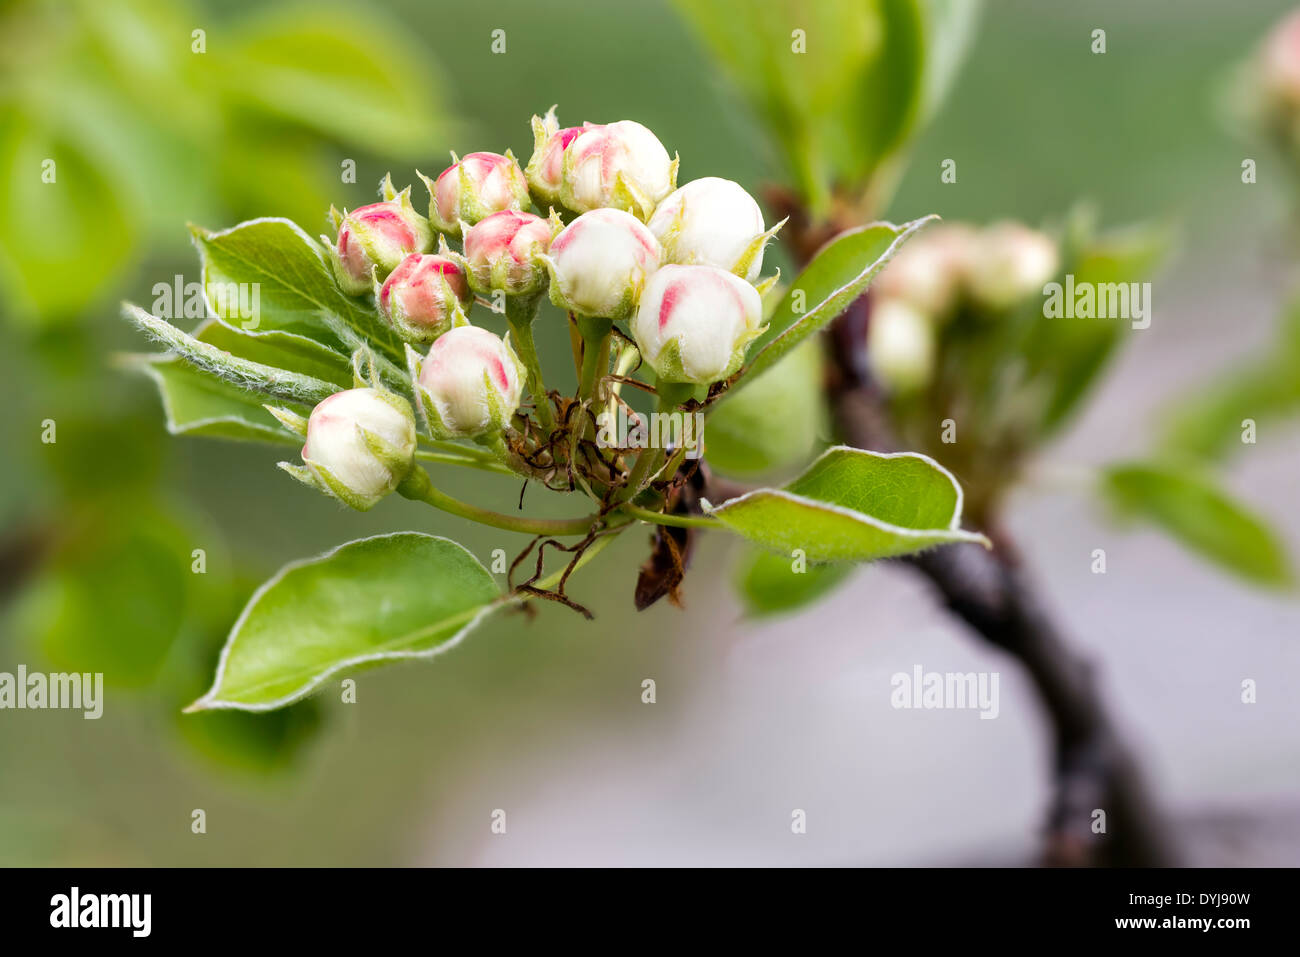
x: 695, y: 322
x: 506, y: 251
x: 545, y: 170
x: 599, y: 264
x: 900, y: 345
x: 929, y: 271
x: 360, y: 445
x: 424, y: 297
x: 1010, y: 262
x: 1279, y: 62
x: 376, y: 238
x: 619, y: 165
x: 712, y: 222
x: 474, y: 188
x: 470, y: 384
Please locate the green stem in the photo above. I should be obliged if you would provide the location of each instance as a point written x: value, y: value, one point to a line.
x: 595, y: 354
x: 417, y: 487
x: 660, y: 518
x: 445, y: 458
x: 520, y: 313
x: 594, y: 549
x: 650, y: 461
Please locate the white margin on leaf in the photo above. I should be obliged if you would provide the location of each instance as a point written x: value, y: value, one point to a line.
x: 209, y: 702
x: 150, y: 368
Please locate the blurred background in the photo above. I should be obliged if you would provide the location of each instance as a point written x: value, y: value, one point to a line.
x: 544, y: 718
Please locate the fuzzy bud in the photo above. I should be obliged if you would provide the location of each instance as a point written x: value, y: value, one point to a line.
x: 474, y: 188
x: 360, y: 446
x: 1009, y: 263
x: 712, y: 222
x: 929, y: 272
x: 424, y: 297
x: 619, y: 165
x: 695, y: 322
x: 506, y: 251
x: 375, y: 238
x: 900, y: 345
x: 545, y: 171
x: 599, y: 264
x: 469, y: 385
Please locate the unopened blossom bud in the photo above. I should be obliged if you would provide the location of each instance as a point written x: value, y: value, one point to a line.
x: 694, y: 323
x: 360, y: 446
x: 712, y: 222
x: 930, y: 270
x: 599, y: 264
x: 469, y: 385
x: 545, y: 170
x: 900, y: 345
x: 473, y: 188
x: 1010, y: 262
x: 1279, y: 63
x: 424, y: 297
x: 619, y: 165
x: 506, y: 251
x: 375, y: 238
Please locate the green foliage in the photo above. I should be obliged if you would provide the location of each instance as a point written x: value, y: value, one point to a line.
x: 769, y: 584
x: 1201, y: 516
x: 854, y: 506
x: 389, y: 597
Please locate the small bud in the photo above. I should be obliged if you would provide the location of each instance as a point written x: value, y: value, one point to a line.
x: 506, y: 251
x: 474, y: 188
x: 545, y: 171
x: 1009, y: 263
x: 599, y: 264
x: 900, y: 345
x: 621, y: 166
x: 1279, y: 63
x: 712, y: 222
x: 695, y: 322
x: 930, y: 270
x: 424, y: 297
x: 374, y: 239
x: 360, y: 445
x: 469, y: 385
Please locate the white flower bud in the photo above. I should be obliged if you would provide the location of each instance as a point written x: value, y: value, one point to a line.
x: 469, y: 385
x: 506, y: 251
x: 424, y: 297
x: 712, y: 222
x: 1010, y: 263
x: 694, y: 323
x: 1279, y: 63
x: 619, y: 165
x: 360, y: 445
x: 545, y: 171
x: 473, y: 188
x: 930, y: 269
x: 900, y: 345
x: 375, y: 238
x: 599, y: 264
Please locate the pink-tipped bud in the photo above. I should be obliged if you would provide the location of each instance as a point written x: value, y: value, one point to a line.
x: 506, y: 251
x: 475, y: 187
x: 620, y: 166
x: 470, y: 384
x: 600, y: 262
x: 424, y: 297
x: 374, y: 239
x: 545, y: 170
x: 695, y: 322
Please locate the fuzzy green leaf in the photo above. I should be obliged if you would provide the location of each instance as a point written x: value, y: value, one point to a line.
x: 769, y: 584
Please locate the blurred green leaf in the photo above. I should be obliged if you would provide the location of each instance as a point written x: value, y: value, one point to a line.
x: 837, y: 275
x: 769, y: 585
x: 854, y: 506
x: 1201, y: 516
x: 377, y: 599
x: 775, y: 423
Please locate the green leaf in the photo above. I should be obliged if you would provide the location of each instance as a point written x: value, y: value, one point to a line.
x: 837, y: 275
x: 283, y: 350
x: 199, y: 404
x: 775, y: 424
x: 404, y: 595
x: 297, y: 291
x: 769, y: 585
x: 244, y: 373
x: 1201, y: 516
x: 854, y: 506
